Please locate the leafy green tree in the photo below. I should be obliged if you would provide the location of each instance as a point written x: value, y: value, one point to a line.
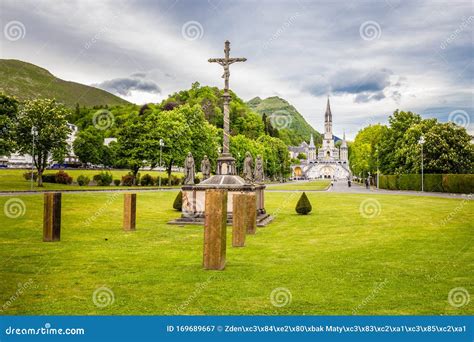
x: 49, y: 119
x: 8, y: 118
x: 239, y: 145
x: 363, y: 156
x: 301, y: 156
x: 89, y: 146
x: 172, y: 127
x: 390, y: 157
x: 447, y: 148
x: 132, y: 142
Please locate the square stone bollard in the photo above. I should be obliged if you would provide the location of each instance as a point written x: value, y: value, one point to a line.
x: 215, y: 226
x: 52, y: 217
x: 239, y: 219
x: 129, y: 212
x: 251, y: 213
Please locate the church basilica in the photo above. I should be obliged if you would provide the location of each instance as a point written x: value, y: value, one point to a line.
x: 327, y: 161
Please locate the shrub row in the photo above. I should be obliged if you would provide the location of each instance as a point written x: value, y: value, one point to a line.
x: 456, y: 183
x: 105, y: 179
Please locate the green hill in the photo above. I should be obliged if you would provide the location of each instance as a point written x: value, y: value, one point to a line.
x: 26, y: 81
x: 293, y: 128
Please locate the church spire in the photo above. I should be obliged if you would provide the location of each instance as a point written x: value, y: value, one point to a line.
x: 328, y: 122
x: 328, y: 115
x: 311, y: 141
x: 344, y: 143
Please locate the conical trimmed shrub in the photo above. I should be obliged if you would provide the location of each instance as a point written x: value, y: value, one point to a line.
x: 178, y: 202
x: 303, y: 206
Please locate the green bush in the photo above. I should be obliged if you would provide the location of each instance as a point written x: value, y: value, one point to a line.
x: 455, y: 183
x: 83, y: 180
x: 164, y: 180
x: 303, y: 206
x: 433, y: 183
x: 147, y: 180
x: 458, y: 183
x: 27, y: 176
x: 383, y: 182
x: 117, y: 182
x: 409, y: 182
x: 127, y: 180
x: 103, y: 179
x: 178, y: 202
x: 175, y: 180
x: 392, y: 183
x: 49, y: 178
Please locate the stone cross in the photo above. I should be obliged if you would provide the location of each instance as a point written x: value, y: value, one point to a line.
x: 226, y: 62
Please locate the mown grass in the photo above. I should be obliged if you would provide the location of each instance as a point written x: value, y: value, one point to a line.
x: 322, y: 184
x: 13, y: 180
x: 405, y: 260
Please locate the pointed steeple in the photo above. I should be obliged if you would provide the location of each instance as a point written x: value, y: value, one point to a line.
x: 328, y: 115
x: 344, y: 143
x: 311, y: 141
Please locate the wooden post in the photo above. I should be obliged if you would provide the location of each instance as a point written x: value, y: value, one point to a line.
x: 129, y: 211
x: 215, y: 226
x: 251, y: 211
x: 52, y: 217
x: 239, y: 218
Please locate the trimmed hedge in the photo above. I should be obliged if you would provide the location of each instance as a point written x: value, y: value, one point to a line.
x: 456, y: 183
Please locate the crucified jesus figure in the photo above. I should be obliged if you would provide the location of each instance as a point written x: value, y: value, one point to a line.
x: 226, y: 62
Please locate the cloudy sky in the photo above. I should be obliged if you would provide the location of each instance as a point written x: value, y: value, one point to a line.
x: 371, y: 57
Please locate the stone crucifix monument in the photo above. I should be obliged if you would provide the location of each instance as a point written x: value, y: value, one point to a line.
x: 226, y: 178
x: 225, y: 162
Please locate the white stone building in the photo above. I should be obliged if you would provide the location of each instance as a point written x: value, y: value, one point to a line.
x: 16, y: 160
x: 328, y: 161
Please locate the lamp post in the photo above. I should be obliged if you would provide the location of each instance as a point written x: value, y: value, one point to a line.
x: 161, y: 151
x: 421, y: 142
x: 377, y: 151
x: 34, y: 134
x: 238, y: 163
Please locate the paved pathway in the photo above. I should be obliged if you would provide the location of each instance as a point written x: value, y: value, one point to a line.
x: 338, y: 187
x: 341, y: 187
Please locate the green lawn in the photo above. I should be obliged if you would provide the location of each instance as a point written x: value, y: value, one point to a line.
x: 322, y: 184
x: 405, y: 260
x: 12, y: 179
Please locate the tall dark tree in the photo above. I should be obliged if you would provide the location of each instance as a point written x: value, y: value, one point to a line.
x: 8, y: 120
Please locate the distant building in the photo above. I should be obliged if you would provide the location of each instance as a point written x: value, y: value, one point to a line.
x: 326, y: 162
x: 25, y: 161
